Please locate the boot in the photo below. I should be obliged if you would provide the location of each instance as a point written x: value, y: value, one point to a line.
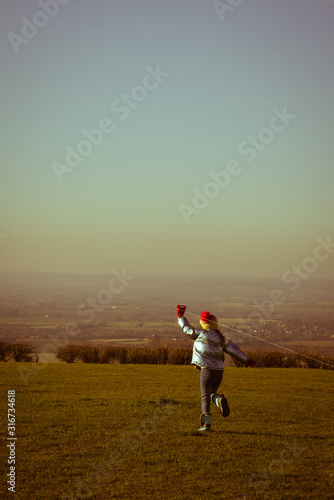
x: 221, y: 402
x: 205, y: 422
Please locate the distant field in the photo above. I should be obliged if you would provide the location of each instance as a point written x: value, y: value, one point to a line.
x: 320, y: 346
x: 45, y: 322
x: 135, y: 342
x: 311, y: 343
x: 130, y: 431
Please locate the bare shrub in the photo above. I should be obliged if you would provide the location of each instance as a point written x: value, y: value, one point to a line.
x: 290, y: 361
x: 122, y: 354
x: 158, y: 356
x: 89, y: 354
x: 23, y: 352
x: 139, y: 355
x: 68, y: 353
x: 107, y: 354
x: 180, y: 356
x: 162, y: 355
x: 278, y: 359
x: 317, y: 361
x: 5, y: 351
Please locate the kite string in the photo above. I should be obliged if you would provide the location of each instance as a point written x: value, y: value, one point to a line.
x: 268, y: 342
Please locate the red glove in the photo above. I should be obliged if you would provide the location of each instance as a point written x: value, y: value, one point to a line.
x: 250, y: 362
x: 180, y: 311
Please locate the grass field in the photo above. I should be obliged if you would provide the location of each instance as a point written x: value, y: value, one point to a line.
x: 130, y: 431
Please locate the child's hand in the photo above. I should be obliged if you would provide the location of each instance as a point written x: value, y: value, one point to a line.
x: 250, y: 362
x: 180, y: 311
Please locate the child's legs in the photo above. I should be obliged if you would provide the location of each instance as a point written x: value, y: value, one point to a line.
x: 217, y: 380
x: 215, y: 387
x: 210, y: 382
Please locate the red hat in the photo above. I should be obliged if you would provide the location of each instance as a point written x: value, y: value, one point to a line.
x: 208, y: 321
x: 206, y: 316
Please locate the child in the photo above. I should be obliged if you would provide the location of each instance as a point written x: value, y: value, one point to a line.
x: 208, y: 356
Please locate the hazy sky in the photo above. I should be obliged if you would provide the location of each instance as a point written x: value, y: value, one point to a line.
x: 181, y: 89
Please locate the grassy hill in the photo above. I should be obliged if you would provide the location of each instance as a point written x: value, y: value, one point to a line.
x: 130, y: 431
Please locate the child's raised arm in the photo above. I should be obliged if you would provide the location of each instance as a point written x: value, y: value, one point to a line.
x: 190, y: 331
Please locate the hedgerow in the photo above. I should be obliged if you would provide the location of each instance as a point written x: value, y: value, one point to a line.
x: 281, y: 359
x: 167, y: 355
x: 18, y: 352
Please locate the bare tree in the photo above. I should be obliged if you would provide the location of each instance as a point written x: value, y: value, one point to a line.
x: 23, y: 352
x: 5, y: 351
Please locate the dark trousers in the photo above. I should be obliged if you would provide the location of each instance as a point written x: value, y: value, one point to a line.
x: 210, y: 382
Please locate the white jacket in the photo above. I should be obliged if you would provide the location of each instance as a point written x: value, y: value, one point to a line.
x: 208, y: 350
